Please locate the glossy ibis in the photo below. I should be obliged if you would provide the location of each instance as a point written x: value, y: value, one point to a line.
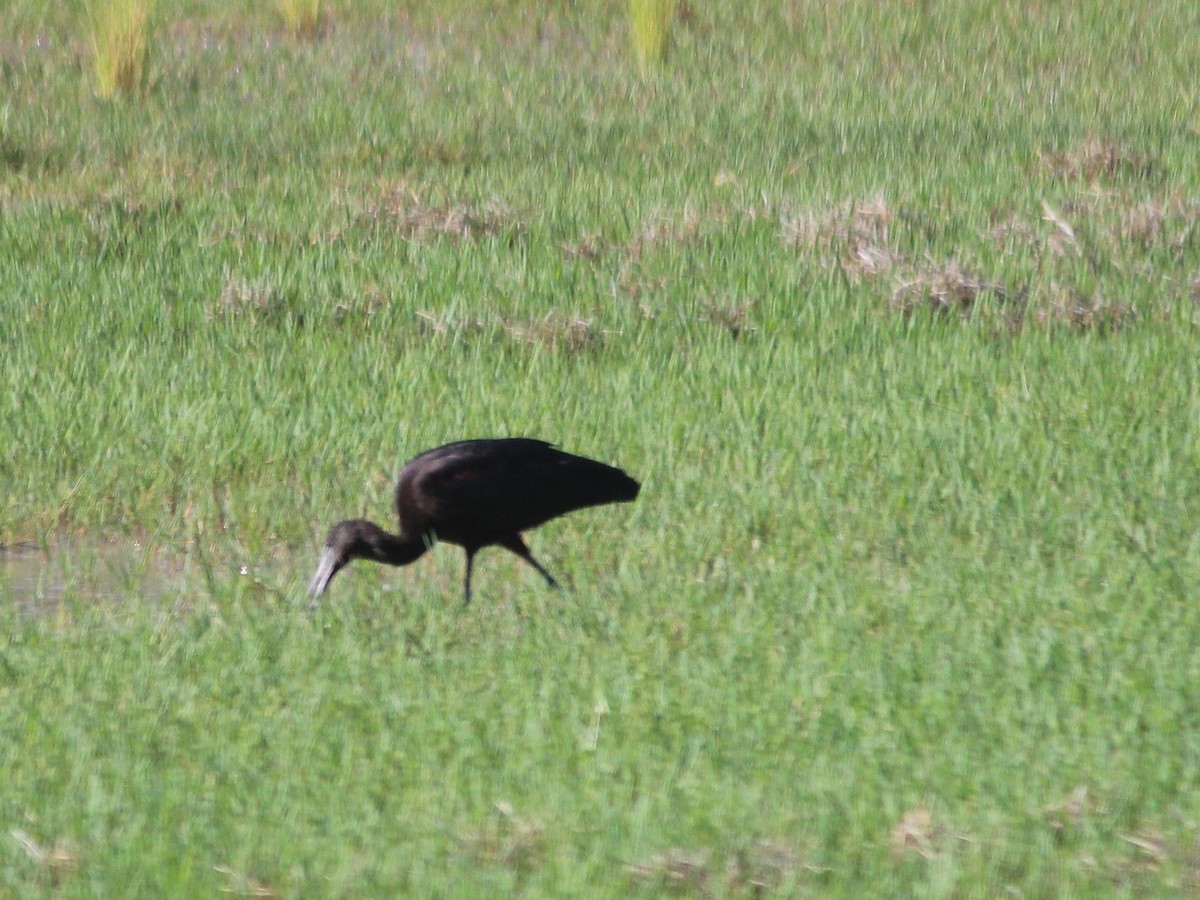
x: 475, y: 494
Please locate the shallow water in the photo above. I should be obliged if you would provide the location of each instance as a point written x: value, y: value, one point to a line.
x: 39, y: 579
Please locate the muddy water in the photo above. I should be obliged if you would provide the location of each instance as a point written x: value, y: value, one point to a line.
x: 37, y: 579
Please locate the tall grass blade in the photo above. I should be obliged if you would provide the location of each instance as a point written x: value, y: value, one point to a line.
x: 302, y: 18
x: 121, y: 44
x: 650, y: 27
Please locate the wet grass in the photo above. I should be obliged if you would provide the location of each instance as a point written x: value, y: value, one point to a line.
x: 892, y: 311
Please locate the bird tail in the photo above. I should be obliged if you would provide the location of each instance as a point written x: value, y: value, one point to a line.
x: 595, y: 482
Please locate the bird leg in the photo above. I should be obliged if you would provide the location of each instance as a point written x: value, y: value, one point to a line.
x: 517, y: 545
x: 467, y: 578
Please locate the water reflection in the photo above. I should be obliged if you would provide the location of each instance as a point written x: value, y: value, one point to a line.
x: 38, y: 579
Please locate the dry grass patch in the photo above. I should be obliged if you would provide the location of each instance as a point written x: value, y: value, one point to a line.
x: 860, y: 239
x: 660, y: 231
x: 431, y: 324
x: 1094, y: 159
x: 632, y: 282
x: 1190, y: 859
x: 1149, y: 845
x: 676, y: 871
x: 1102, y: 229
x: 402, y: 210
x: 506, y: 839
x: 657, y: 231
x: 557, y: 333
x: 1061, y: 240
x: 732, y: 317
x: 372, y: 299
x: 1101, y: 223
x: 250, y: 299
x: 918, y: 833
x: 856, y: 236
x: 1142, y: 224
x: 1146, y: 853
x: 58, y: 860
x: 245, y: 885
x: 1154, y: 222
x: 1070, y: 811
x: 1076, y: 310
x: 1007, y: 229
x: 765, y: 867
x: 589, y: 247
x: 1053, y: 234
x: 943, y: 288
x: 871, y: 260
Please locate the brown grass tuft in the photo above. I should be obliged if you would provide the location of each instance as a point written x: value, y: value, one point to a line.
x: 1150, y: 846
x: 917, y: 833
x: 430, y: 324
x: 1086, y: 313
x: 632, y: 282
x: 1190, y: 859
x: 1070, y: 810
x: 60, y: 859
x: 1094, y: 159
x: 556, y: 333
x: 1142, y: 224
x: 1101, y: 226
x: 402, y: 209
x: 1062, y: 240
x: 1011, y: 228
x: 253, y: 299
x: 676, y: 871
x: 761, y: 869
x: 943, y: 288
x: 857, y: 236
x: 372, y: 299
x: 764, y: 867
x: 659, y: 231
x: 245, y: 885
x: 871, y: 260
x: 506, y: 839
x: 734, y: 318
x: 590, y: 247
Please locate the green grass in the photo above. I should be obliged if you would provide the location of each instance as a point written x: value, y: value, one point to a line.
x: 891, y: 310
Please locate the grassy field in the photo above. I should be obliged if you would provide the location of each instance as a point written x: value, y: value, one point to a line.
x: 893, y: 312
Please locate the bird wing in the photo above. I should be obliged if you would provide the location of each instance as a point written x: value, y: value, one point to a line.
x: 475, y: 492
x: 447, y: 483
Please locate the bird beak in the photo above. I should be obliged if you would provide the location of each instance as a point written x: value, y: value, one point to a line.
x: 327, y: 567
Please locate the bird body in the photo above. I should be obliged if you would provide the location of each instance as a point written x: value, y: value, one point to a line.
x: 476, y: 494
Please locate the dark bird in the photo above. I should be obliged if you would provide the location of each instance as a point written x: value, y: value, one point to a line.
x: 476, y: 494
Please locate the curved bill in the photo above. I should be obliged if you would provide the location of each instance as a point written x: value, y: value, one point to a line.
x: 327, y: 567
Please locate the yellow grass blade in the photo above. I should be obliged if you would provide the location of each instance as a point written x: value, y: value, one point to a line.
x: 121, y: 43
x: 650, y: 26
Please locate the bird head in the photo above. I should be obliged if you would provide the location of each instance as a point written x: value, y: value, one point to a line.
x: 346, y: 540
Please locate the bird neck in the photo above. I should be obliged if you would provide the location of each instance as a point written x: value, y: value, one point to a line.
x: 360, y: 539
x: 392, y: 549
